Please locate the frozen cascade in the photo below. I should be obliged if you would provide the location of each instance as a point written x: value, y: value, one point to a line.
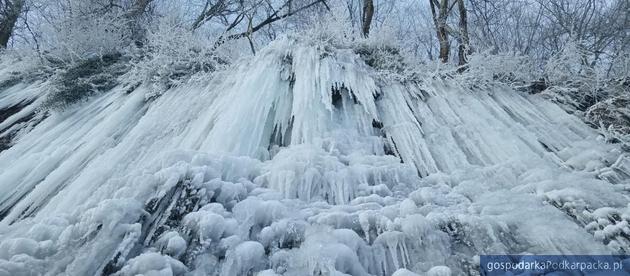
x: 302, y: 160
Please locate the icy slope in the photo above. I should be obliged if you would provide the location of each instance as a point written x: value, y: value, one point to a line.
x: 303, y: 161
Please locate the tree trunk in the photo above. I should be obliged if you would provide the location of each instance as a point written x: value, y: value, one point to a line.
x: 139, y: 7
x: 368, y: 13
x: 8, y: 20
x: 439, y: 20
x: 133, y: 16
x: 464, y: 41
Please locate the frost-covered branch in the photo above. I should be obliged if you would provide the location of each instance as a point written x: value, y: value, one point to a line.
x: 276, y: 16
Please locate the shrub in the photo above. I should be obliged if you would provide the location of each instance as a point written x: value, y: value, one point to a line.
x: 86, y: 78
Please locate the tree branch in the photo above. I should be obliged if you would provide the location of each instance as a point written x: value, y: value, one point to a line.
x: 273, y: 18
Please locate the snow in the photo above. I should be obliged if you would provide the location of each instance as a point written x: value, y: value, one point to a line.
x: 153, y: 264
x: 244, y: 259
x: 404, y: 272
x: 278, y: 167
x: 172, y: 243
x: 439, y: 271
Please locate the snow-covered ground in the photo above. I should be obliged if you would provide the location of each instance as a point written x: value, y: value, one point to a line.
x: 303, y: 161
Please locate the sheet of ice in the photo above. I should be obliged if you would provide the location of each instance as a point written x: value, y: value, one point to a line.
x: 300, y: 161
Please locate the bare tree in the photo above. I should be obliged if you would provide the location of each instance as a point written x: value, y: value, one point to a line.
x: 235, y: 13
x: 463, y: 39
x: 11, y: 11
x: 216, y: 9
x: 440, y: 12
x: 138, y: 8
x: 133, y: 15
x: 439, y: 20
x: 368, y: 14
x: 284, y: 11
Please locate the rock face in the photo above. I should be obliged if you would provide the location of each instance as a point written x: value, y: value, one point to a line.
x: 303, y: 161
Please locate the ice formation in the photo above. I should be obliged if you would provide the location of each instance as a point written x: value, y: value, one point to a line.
x: 302, y: 161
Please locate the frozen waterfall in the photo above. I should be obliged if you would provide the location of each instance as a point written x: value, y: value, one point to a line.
x: 302, y: 161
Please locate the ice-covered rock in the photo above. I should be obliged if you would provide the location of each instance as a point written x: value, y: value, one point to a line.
x: 153, y: 264
x: 244, y: 259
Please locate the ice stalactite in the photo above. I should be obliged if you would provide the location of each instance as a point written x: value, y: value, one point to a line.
x: 390, y: 253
